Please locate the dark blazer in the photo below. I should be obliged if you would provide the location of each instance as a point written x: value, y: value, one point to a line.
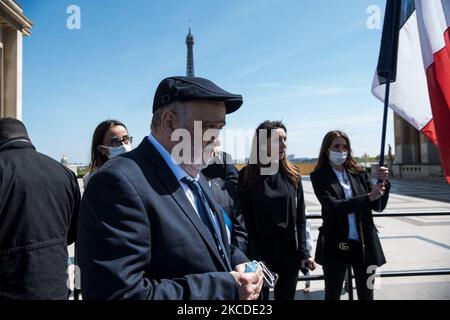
x: 335, y: 209
x: 140, y: 237
x: 224, y: 190
x: 39, y: 200
x: 276, y: 229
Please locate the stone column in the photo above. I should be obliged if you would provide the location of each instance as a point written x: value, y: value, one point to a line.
x: 429, y: 152
x: 12, y: 74
x: 407, y: 142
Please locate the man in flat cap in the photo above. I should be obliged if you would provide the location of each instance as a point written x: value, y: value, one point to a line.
x: 149, y: 227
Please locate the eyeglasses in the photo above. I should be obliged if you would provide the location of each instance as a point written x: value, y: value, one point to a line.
x: 117, y: 142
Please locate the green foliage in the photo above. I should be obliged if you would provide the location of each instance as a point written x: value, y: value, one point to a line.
x: 82, y: 171
x: 390, y: 157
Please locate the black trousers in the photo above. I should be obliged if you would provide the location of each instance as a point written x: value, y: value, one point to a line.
x: 286, y: 285
x: 334, y: 274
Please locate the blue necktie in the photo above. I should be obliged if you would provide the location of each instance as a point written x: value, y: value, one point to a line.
x: 204, y: 212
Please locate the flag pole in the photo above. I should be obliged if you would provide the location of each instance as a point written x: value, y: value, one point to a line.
x: 385, y: 115
x: 387, y: 63
x: 383, y: 131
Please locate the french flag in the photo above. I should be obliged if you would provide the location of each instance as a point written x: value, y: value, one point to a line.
x: 415, y: 48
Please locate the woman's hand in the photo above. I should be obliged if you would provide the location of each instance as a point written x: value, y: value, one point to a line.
x: 377, y: 191
x: 308, y: 264
x: 382, y: 173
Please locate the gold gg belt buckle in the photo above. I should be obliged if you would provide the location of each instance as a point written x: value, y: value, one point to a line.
x: 343, y: 246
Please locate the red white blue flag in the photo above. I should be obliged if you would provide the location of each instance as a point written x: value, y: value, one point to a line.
x: 420, y: 87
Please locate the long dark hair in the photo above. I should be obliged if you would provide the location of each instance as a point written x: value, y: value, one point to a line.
x: 252, y: 170
x: 351, y: 164
x: 97, y: 158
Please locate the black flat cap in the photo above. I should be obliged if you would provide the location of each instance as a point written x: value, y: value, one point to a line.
x: 193, y: 88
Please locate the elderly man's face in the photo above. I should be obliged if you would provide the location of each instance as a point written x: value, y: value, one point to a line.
x: 211, y: 114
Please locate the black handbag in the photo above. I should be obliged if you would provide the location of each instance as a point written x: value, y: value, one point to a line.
x: 332, y: 249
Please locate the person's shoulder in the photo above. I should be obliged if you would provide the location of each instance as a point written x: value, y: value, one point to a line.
x: 120, y: 168
x: 9, y: 155
x: 120, y: 163
x: 136, y: 159
x: 320, y: 175
x: 241, y: 172
x: 88, y: 177
x: 317, y: 172
x: 230, y: 170
x: 364, y: 172
x: 361, y: 172
x: 37, y: 156
x: 107, y: 176
x: 49, y: 162
x: 113, y: 168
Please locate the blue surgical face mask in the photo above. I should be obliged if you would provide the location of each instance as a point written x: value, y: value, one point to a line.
x: 337, y: 158
x: 115, y: 151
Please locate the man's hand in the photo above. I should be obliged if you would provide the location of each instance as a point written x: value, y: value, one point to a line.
x: 309, y: 264
x: 250, y: 283
x: 240, y: 267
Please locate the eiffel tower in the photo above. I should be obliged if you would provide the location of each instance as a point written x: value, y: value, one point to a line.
x: 190, y: 55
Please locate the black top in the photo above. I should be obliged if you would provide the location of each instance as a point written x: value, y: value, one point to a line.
x: 274, y: 214
x: 39, y: 200
x: 335, y: 210
x: 224, y: 183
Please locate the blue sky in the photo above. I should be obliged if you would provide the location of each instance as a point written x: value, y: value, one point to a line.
x: 308, y: 63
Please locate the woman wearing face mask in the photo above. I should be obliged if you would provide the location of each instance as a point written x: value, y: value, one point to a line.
x: 272, y: 204
x: 348, y: 235
x: 110, y: 139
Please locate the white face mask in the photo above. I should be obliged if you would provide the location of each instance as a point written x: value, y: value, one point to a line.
x: 115, y: 151
x: 337, y: 158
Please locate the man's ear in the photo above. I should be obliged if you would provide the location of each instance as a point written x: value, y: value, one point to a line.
x: 168, y: 122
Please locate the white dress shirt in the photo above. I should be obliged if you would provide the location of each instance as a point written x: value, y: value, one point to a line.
x: 345, y: 183
x: 177, y: 170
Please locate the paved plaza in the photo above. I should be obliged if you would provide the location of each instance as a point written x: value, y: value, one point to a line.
x: 409, y: 243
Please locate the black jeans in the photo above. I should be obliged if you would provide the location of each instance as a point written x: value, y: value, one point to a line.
x: 334, y: 274
x: 286, y: 285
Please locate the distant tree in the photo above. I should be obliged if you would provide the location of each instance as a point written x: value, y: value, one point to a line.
x: 390, y: 157
x: 82, y: 171
x: 365, y: 159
